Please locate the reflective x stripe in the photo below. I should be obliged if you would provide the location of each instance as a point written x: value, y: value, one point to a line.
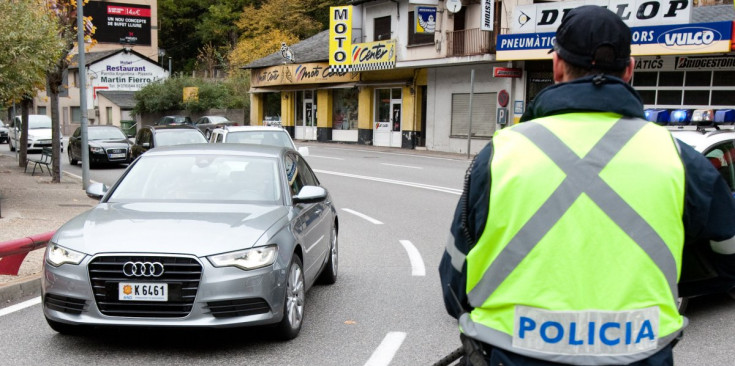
x: 458, y: 258
x: 582, y: 176
x: 725, y: 247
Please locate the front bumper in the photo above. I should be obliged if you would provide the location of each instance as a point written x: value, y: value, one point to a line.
x: 225, y: 297
x: 110, y: 156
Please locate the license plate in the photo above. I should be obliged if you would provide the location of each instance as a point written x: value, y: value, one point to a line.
x: 143, y: 291
x: 44, y: 141
x: 118, y: 155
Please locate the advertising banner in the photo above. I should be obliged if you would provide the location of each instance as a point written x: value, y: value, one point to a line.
x: 488, y: 15
x: 125, y: 71
x: 340, y: 37
x: 425, y: 19
x: 120, y: 23
x: 294, y: 74
x: 652, y: 40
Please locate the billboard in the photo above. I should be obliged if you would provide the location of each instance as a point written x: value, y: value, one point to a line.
x: 120, y: 23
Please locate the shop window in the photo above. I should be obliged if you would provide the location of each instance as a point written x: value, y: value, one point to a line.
x: 723, y: 97
x: 698, y: 78
x: 723, y: 78
x: 76, y: 115
x: 299, y: 107
x: 645, y: 78
x: 344, y: 109
x: 669, y: 97
x: 272, y: 107
x: 483, y: 114
x: 381, y: 29
x: 382, y: 105
x: 671, y: 79
x: 696, y: 97
x: 417, y: 38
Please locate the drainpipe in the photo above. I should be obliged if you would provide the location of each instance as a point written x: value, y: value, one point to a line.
x: 398, y: 9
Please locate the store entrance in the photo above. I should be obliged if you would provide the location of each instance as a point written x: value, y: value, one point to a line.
x: 388, y: 116
x: 305, y: 126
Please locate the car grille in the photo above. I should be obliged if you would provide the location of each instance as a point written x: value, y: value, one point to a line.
x: 182, y: 274
x: 116, y: 151
x: 240, y: 307
x: 64, y: 304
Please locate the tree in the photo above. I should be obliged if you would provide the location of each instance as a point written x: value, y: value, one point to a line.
x: 65, y: 12
x: 167, y: 95
x: 30, y: 46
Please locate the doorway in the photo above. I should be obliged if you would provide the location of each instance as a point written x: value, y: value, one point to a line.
x: 305, y: 126
x: 388, y: 117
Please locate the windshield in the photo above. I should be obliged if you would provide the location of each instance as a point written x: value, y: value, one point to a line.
x: 273, y: 138
x: 218, y: 119
x: 204, y: 178
x: 37, y: 121
x: 179, y: 137
x: 105, y: 133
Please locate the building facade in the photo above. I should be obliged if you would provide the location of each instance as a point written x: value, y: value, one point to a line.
x: 469, y: 68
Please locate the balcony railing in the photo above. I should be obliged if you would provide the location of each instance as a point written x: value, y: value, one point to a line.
x: 468, y: 42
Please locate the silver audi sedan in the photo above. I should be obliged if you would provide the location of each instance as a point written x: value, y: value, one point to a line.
x: 206, y: 235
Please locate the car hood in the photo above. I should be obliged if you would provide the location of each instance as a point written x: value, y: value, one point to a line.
x: 199, y: 229
x: 40, y: 133
x: 110, y: 143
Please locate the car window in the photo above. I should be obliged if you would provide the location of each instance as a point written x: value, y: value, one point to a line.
x: 205, y: 178
x: 105, y: 133
x: 77, y: 132
x: 298, y: 173
x: 220, y: 137
x: 722, y: 157
x: 179, y: 137
x: 273, y: 138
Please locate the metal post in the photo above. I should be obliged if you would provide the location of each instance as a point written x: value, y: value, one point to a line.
x: 169, y: 66
x: 82, y: 94
x: 469, y: 128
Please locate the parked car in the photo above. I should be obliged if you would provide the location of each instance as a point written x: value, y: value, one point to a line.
x: 3, y: 133
x: 174, y: 120
x: 107, y: 145
x: 154, y: 136
x: 39, y: 132
x: 261, y: 135
x: 208, y: 123
x: 699, y: 276
x: 213, y: 235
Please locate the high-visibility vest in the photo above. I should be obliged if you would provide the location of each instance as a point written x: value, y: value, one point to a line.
x: 581, y: 253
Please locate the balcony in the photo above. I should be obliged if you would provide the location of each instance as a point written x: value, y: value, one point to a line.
x: 469, y: 42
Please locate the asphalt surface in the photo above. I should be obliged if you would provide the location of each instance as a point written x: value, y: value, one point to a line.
x: 30, y: 205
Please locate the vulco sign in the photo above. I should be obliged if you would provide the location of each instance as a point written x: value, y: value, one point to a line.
x: 540, y: 18
x: 690, y: 36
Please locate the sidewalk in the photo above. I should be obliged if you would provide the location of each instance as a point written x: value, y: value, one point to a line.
x: 32, y: 205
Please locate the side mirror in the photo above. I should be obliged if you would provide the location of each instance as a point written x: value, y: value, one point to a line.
x: 96, y: 190
x: 310, y: 194
x: 304, y: 150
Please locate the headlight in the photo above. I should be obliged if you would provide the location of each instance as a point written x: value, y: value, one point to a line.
x: 96, y: 150
x: 246, y: 259
x: 57, y: 255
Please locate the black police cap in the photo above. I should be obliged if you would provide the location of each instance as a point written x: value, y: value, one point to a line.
x: 584, y: 30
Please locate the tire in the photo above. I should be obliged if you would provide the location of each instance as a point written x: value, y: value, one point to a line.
x: 293, y: 305
x: 64, y: 328
x: 207, y: 135
x: 329, y: 273
x: 681, y: 304
x: 72, y: 161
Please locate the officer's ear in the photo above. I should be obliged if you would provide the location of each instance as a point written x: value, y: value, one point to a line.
x: 559, y: 67
x: 628, y: 73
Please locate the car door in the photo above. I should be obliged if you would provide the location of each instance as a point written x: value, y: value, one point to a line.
x: 75, y: 144
x: 722, y: 157
x: 311, y: 225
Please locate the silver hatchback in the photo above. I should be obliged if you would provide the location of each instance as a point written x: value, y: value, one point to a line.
x: 210, y: 235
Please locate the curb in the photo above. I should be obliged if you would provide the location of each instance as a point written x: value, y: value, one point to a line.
x: 20, y: 289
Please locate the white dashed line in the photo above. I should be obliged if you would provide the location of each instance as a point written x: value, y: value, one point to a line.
x: 403, y: 166
x: 392, y: 181
x: 325, y: 157
x: 20, y: 306
x: 387, y: 349
x: 366, y: 217
x: 417, y: 263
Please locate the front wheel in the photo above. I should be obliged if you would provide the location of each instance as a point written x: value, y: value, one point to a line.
x: 293, y: 307
x: 329, y: 275
x: 208, y: 134
x: 72, y: 161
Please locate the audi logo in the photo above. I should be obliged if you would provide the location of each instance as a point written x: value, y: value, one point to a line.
x: 143, y: 269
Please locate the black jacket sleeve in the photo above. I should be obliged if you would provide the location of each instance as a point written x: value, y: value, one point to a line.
x: 467, y: 226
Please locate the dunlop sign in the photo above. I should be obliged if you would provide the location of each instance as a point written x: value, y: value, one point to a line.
x: 340, y: 37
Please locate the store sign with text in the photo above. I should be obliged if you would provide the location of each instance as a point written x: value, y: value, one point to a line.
x: 345, y: 56
x: 125, y: 71
x: 293, y: 74
x: 674, y: 39
x: 546, y: 17
x: 685, y: 63
x: 120, y: 23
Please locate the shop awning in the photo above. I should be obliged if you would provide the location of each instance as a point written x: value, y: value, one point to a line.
x: 288, y: 88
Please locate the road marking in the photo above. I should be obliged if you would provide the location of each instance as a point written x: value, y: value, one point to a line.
x: 403, y: 166
x: 387, y: 349
x: 366, y: 217
x: 460, y: 159
x: 324, y: 157
x: 20, y: 306
x: 457, y: 192
x: 417, y: 264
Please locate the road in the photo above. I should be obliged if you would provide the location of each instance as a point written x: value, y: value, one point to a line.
x: 386, y: 308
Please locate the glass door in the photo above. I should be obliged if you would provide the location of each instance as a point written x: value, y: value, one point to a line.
x: 388, y: 117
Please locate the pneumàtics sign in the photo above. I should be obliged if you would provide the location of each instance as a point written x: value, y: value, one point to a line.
x: 300, y: 74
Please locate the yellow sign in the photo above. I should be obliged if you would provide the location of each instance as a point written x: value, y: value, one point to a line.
x: 374, y: 55
x: 340, y: 37
x: 191, y: 94
x: 293, y: 74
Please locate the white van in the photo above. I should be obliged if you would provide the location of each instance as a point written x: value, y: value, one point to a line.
x: 39, y: 132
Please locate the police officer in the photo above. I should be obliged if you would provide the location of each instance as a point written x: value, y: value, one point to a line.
x: 566, y: 245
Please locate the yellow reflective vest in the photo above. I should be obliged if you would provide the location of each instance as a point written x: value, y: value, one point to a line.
x: 581, y: 253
